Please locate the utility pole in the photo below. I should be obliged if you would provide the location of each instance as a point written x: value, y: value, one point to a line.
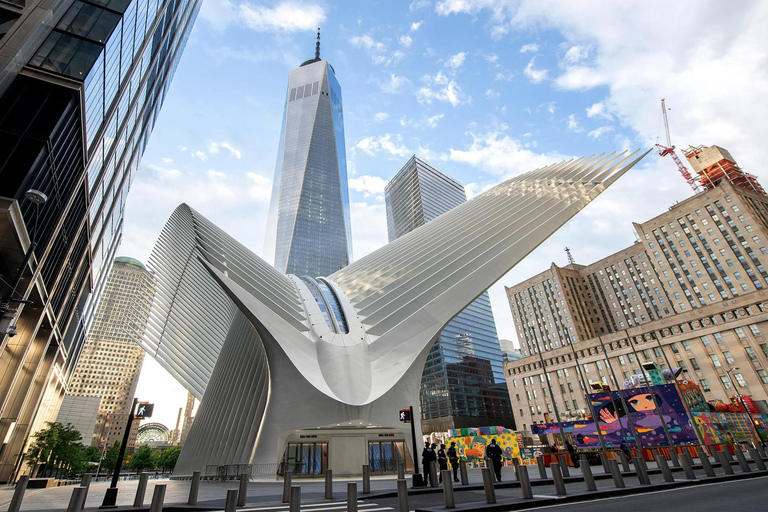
x: 110, y: 498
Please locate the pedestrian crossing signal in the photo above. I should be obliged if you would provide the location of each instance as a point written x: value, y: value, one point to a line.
x: 405, y: 415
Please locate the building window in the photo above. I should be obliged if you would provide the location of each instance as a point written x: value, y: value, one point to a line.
x: 728, y: 357
x: 687, y: 346
x: 674, y: 348
x: 694, y: 364
x: 704, y: 385
x: 740, y: 333
x: 622, y: 361
x: 754, y: 329
x: 705, y: 341
x: 715, y: 360
x: 764, y: 348
x: 657, y: 351
x: 726, y: 382
x: 740, y: 380
x: 719, y: 338
x: 763, y: 376
x: 751, y: 352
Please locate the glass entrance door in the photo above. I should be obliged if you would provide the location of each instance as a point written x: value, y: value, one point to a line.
x: 383, y: 456
x: 306, y: 459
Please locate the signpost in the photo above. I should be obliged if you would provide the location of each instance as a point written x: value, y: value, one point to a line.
x: 406, y: 416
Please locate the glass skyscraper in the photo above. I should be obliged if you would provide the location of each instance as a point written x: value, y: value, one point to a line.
x: 308, y: 233
x: 463, y: 383
x: 81, y: 85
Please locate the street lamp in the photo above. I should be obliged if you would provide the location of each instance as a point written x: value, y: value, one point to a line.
x: 741, y: 399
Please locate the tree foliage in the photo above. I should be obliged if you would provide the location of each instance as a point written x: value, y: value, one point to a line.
x: 58, y: 450
x: 143, y: 458
x: 168, y: 457
x: 110, y: 458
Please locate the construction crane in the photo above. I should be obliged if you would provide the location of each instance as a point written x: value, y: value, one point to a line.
x: 669, y: 149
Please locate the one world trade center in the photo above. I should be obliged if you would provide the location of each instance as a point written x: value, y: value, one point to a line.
x: 308, y: 233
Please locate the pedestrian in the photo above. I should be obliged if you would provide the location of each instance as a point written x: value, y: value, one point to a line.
x: 572, y: 453
x: 554, y: 449
x: 453, y: 457
x: 494, y: 453
x: 428, y: 456
x: 442, y: 461
x: 624, y: 447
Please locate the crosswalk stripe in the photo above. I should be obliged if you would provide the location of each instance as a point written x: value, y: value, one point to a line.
x: 322, y: 507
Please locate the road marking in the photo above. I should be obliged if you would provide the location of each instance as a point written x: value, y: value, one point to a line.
x: 322, y: 507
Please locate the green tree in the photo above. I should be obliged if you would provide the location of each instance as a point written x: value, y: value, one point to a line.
x: 57, y: 448
x: 110, y: 458
x: 168, y: 458
x: 143, y: 458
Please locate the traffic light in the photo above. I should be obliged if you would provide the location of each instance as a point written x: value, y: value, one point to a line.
x: 405, y: 415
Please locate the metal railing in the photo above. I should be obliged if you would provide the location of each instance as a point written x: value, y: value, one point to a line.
x: 233, y: 471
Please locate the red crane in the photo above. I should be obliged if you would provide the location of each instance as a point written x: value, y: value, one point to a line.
x: 669, y: 149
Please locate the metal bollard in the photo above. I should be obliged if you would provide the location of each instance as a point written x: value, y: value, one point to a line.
x: 586, y: 470
x: 760, y: 449
x: 725, y: 463
x: 352, y: 497
x: 564, y: 465
x: 158, y: 496
x: 618, y: 479
x: 743, y: 464
x: 450, y: 502
x: 490, y: 492
x: 295, y: 503
x: 329, y: 484
x: 242, y: 492
x: 367, y: 479
x: 400, y: 471
x: 674, y: 457
x: 141, y: 490
x: 287, y: 486
x: 77, y: 499
x: 727, y: 451
x: 194, y: 488
x: 516, y: 467
x: 463, y: 472
x: 542, y: 467
x: 432, y: 475
x: 624, y: 462
x: 604, y: 462
x: 704, y: 460
x: 86, y: 482
x: 756, y: 458
x: 661, y: 462
x: 525, y: 483
x: 18, y: 493
x: 231, y: 504
x: 557, y: 477
x: 402, y: 495
x: 688, y: 466
x: 642, y: 471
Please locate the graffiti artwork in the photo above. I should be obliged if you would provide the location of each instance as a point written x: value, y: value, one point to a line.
x: 472, y: 447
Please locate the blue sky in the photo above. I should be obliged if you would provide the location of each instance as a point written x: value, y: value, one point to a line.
x: 482, y: 89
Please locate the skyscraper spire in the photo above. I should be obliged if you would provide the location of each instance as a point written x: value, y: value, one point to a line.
x: 317, y: 46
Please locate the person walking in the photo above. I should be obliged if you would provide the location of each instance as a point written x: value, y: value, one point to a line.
x: 428, y: 456
x: 442, y: 461
x: 494, y: 453
x: 572, y: 453
x: 625, y: 448
x: 453, y: 456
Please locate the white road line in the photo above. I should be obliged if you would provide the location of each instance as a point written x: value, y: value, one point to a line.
x: 322, y: 507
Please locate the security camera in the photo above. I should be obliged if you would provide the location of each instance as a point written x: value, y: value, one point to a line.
x: 12, y: 331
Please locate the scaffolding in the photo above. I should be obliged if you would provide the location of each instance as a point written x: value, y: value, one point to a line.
x: 714, y: 164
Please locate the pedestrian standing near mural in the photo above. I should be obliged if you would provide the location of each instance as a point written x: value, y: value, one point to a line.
x: 442, y: 461
x: 572, y: 453
x: 494, y: 453
x: 453, y: 456
x: 427, y: 457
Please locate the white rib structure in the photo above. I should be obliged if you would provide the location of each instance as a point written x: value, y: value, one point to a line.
x: 276, y: 354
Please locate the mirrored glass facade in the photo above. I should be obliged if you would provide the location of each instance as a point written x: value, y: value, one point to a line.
x: 463, y: 383
x: 81, y: 85
x: 309, y: 229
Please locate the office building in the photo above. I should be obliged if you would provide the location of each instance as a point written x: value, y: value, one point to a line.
x: 81, y: 85
x: 312, y: 372
x: 111, y: 360
x: 689, y: 291
x: 463, y: 381
x: 81, y: 412
x: 308, y: 231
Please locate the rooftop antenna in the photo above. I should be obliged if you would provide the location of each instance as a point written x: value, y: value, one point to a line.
x: 570, y: 257
x: 317, y: 45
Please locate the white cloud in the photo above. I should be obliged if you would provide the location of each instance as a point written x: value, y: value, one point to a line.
x: 368, y: 43
x: 199, y: 154
x: 416, y: 25
x: 285, y: 17
x: 535, y: 75
x: 426, y: 153
x: 167, y: 160
x: 386, y: 143
x: 213, y: 173
x: 215, y: 147
x: 598, y: 132
x: 395, y: 84
x: 499, y: 154
x: 598, y: 110
x: 368, y: 185
x: 505, y: 76
x: 369, y: 225
x: 491, y: 57
x: 440, y: 88
x: 573, y: 124
x: 182, y: 148
x: 575, y: 54
x: 549, y: 107
x: 456, y: 61
x: 432, y: 121
x: 380, y: 117
x: 260, y: 187
x: 491, y: 94
x: 530, y: 47
x: 405, y: 40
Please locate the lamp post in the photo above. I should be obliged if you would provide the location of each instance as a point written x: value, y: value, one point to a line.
x: 741, y: 399
x: 110, y: 497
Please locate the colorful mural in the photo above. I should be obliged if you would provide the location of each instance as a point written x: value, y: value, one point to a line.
x: 728, y: 427
x: 614, y: 424
x: 471, y: 443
